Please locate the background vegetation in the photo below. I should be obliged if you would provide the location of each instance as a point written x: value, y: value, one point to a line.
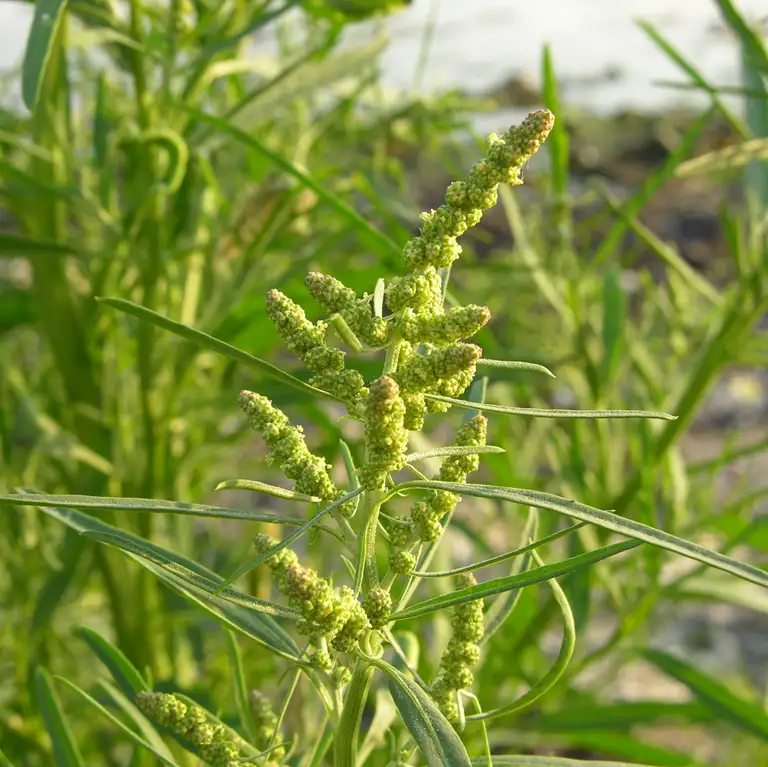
x: 154, y: 161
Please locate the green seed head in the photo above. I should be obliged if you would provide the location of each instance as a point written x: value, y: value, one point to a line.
x: 377, y: 605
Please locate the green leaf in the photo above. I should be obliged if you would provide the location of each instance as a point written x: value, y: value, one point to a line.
x: 550, y: 412
x: 436, y: 452
x: 205, y: 341
x: 550, y: 679
x: 514, y: 365
x: 746, y: 714
x: 604, y: 519
x: 190, y: 578
x: 262, y: 487
x: 285, y: 165
x: 46, y: 23
x: 262, y: 628
x: 437, y: 740
x: 619, y: 715
x: 509, y: 582
x: 750, y: 39
x: 4, y: 760
x: 125, y: 674
x: 242, y: 570
x: 107, y: 714
x: 143, y: 505
x: 65, y: 750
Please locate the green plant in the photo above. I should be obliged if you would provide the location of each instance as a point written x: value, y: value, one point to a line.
x: 351, y: 629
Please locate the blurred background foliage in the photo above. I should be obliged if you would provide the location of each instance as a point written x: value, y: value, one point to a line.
x: 163, y: 159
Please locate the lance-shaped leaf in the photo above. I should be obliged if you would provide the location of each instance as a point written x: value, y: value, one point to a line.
x: 516, y: 365
x: 65, y: 750
x: 262, y: 628
x: 125, y: 674
x: 255, y: 486
x: 538, y: 412
x: 509, y: 582
x: 604, y: 519
x: 437, y: 452
x: 437, y: 740
x: 206, y: 341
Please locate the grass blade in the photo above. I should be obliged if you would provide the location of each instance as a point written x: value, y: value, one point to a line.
x: 15, y: 245
x: 65, y: 750
x: 240, y: 686
x: 550, y: 412
x: 604, y: 519
x: 437, y: 740
x: 746, y: 714
x: 49, y: 15
x: 205, y: 341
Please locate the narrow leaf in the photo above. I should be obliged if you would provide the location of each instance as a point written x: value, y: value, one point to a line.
x: 259, y: 627
x: 551, y: 761
x: 15, y: 245
x: 143, y: 505
x: 240, y: 686
x: 509, y: 582
x: 262, y: 487
x: 125, y: 674
x: 550, y: 412
x: 514, y: 365
x: 65, y: 750
x: 437, y: 740
x: 436, y: 452
x: 46, y: 22
x: 205, y: 341
x: 604, y: 519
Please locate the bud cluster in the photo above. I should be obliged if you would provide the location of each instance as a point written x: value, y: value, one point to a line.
x: 287, y: 447
x: 329, y: 615
x: 216, y: 745
x: 265, y: 723
x: 462, y: 653
x: 307, y: 341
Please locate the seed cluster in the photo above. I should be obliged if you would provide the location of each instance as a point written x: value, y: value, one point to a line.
x: 216, y: 745
x: 462, y: 653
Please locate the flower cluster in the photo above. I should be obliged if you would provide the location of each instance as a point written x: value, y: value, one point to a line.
x: 287, y: 447
x: 216, y: 745
x: 307, y: 341
x: 462, y: 653
x: 265, y: 723
x: 329, y: 616
x: 386, y: 438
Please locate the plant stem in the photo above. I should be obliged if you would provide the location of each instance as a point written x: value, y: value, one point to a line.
x: 345, y: 742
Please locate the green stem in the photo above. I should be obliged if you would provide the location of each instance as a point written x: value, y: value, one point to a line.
x: 367, y: 572
x: 345, y: 742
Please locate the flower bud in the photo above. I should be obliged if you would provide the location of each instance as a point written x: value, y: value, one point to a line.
x: 377, y: 605
x: 425, y: 372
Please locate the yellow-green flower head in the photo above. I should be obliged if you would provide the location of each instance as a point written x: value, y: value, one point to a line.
x: 402, y: 562
x: 462, y: 653
x: 426, y: 515
x: 424, y: 373
x: 335, y: 297
x: 443, y: 329
x: 336, y: 616
x: 415, y: 408
x: 302, y: 337
x: 378, y: 605
x: 385, y: 436
x: 287, y: 447
x: 265, y: 722
x: 454, y: 386
x: 465, y: 201
x: 307, y: 341
x: 420, y: 291
x: 215, y: 744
